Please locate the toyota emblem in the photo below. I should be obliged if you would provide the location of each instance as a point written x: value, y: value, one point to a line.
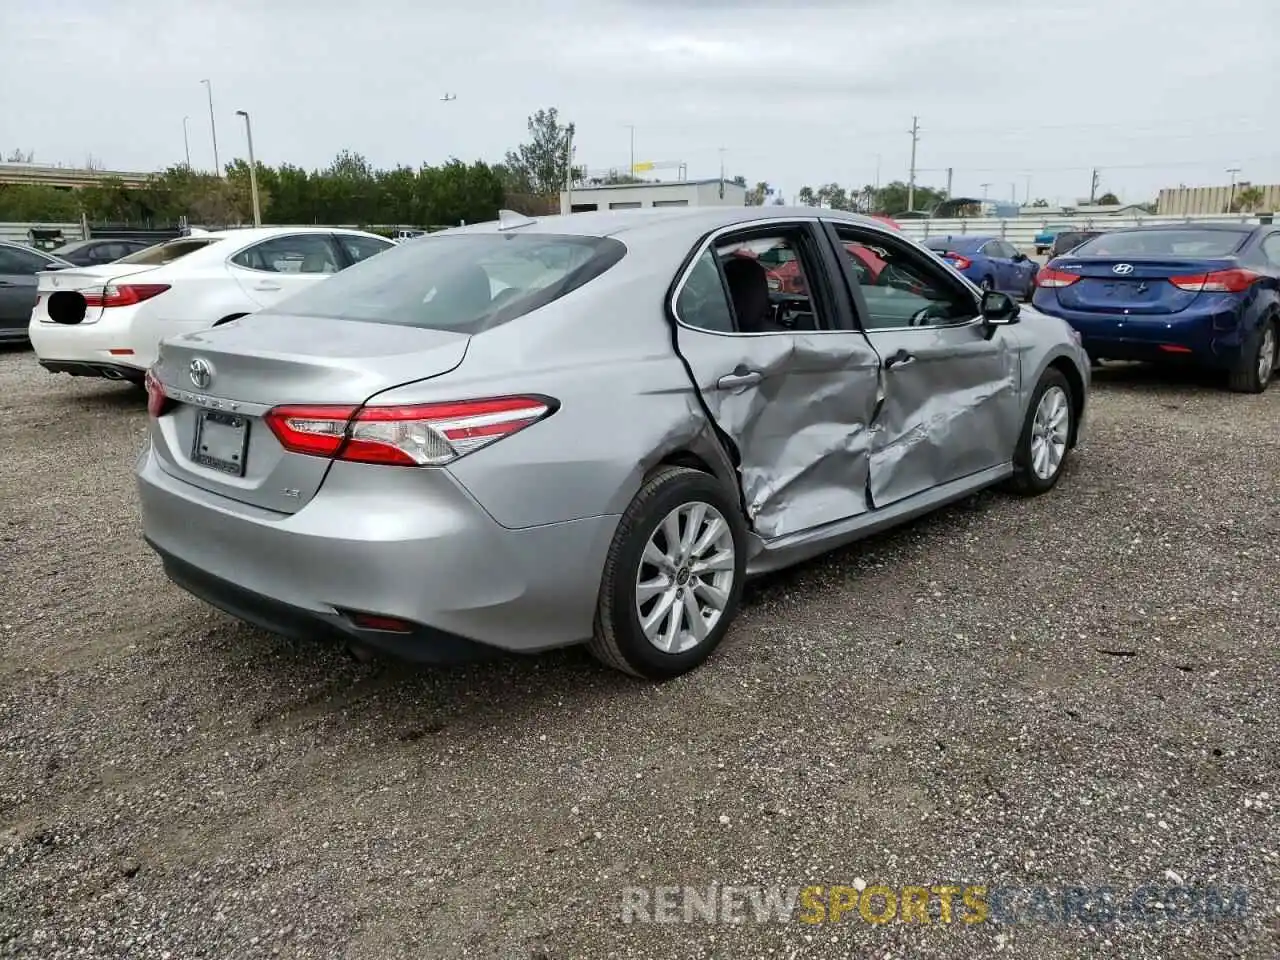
x: 1122, y: 268
x: 201, y: 372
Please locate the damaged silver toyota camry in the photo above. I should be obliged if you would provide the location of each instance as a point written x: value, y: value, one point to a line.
x: 589, y: 428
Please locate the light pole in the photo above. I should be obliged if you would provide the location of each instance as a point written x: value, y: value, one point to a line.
x: 985, y: 187
x: 1232, y: 198
x: 253, y: 169
x: 213, y: 128
x: 186, y: 143
x: 631, y: 171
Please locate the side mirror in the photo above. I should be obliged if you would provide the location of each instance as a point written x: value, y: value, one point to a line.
x: 999, y: 309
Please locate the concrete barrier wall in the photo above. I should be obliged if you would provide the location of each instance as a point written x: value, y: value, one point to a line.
x: 1021, y: 232
x: 17, y: 232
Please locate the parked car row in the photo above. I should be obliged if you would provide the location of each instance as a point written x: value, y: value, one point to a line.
x: 663, y: 404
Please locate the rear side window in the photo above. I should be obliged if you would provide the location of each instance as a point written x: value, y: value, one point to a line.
x: 1164, y: 243
x: 461, y: 282
x: 167, y: 252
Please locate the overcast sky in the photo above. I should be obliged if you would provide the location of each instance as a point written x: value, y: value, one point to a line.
x: 1153, y: 92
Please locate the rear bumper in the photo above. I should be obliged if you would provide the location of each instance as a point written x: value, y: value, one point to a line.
x: 87, y: 346
x: 111, y: 371
x: 435, y: 559
x: 422, y: 645
x: 1206, y: 338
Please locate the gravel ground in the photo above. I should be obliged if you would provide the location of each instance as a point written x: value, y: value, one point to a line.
x: 1077, y: 689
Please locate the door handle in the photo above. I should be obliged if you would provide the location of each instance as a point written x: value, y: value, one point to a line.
x: 899, y: 359
x: 739, y: 378
x: 266, y: 286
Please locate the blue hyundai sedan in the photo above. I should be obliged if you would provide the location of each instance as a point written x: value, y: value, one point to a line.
x: 989, y: 262
x: 1207, y: 294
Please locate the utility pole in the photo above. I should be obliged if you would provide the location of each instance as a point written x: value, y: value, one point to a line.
x: 253, y: 169
x: 911, y: 183
x: 1231, y: 199
x: 186, y: 143
x: 949, y: 172
x: 631, y: 170
x: 568, y: 170
x: 985, y: 187
x: 1026, y: 200
x: 722, y: 173
x: 1093, y: 185
x: 877, y: 173
x: 1013, y: 193
x: 213, y: 128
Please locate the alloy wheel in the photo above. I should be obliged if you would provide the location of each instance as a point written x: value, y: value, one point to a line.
x: 1267, y: 353
x: 685, y: 578
x: 1050, y: 429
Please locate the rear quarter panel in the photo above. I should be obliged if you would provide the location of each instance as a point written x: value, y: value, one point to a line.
x: 626, y: 402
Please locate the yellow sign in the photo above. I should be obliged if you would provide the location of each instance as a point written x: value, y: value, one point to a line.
x: 646, y: 165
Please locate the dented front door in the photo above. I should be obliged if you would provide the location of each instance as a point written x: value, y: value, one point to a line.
x: 795, y: 404
x: 949, y: 405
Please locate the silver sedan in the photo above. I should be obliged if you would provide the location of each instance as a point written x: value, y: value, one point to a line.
x: 589, y: 428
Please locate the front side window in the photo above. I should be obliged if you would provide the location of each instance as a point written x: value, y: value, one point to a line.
x: 460, y: 282
x: 302, y: 253
x: 905, y: 289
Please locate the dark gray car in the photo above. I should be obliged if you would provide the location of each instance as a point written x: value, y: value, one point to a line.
x: 19, y: 265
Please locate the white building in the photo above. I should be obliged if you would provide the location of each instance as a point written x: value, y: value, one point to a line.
x: 632, y: 196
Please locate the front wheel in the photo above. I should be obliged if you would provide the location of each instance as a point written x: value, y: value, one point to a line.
x: 1257, y: 365
x: 673, y: 577
x: 1045, y: 440
x: 987, y: 285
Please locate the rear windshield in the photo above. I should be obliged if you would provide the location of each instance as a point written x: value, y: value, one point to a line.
x: 461, y: 282
x: 1164, y: 243
x: 167, y: 252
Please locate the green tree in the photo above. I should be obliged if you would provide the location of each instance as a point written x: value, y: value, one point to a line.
x: 541, y: 165
x: 1039, y: 202
x: 806, y: 197
x: 757, y: 195
x: 1248, y: 199
x: 1108, y: 199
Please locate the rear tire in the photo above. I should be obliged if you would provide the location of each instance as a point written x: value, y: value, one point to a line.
x: 645, y: 571
x: 1258, y: 360
x: 1045, y: 441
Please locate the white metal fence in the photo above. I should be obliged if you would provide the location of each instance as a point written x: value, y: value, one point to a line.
x: 1021, y: 232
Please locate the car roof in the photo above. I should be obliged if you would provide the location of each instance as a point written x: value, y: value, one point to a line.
x: 679, y: 221
x: 1191, y: 225
x: 249, y: 234
x: 968, y: 240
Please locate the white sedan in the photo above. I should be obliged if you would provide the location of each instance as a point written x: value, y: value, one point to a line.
x: 108, y: 321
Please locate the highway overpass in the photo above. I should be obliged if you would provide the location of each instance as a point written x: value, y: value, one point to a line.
x: 66, y: 177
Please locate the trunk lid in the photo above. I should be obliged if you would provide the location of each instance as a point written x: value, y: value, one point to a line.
x: 1133, y: 286
x: 214, y: 436
x: 81, y: 280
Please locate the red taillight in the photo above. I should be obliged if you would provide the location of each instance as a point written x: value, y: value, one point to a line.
x: 157, y: 399
x: 428, y: 434
x: 957, y: 261
x: 124, y: 294
x: 1221, y: 281
x: 1174, y: 348
x: 1048, y: 277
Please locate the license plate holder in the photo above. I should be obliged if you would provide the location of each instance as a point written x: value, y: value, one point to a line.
x: 221, y: 441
